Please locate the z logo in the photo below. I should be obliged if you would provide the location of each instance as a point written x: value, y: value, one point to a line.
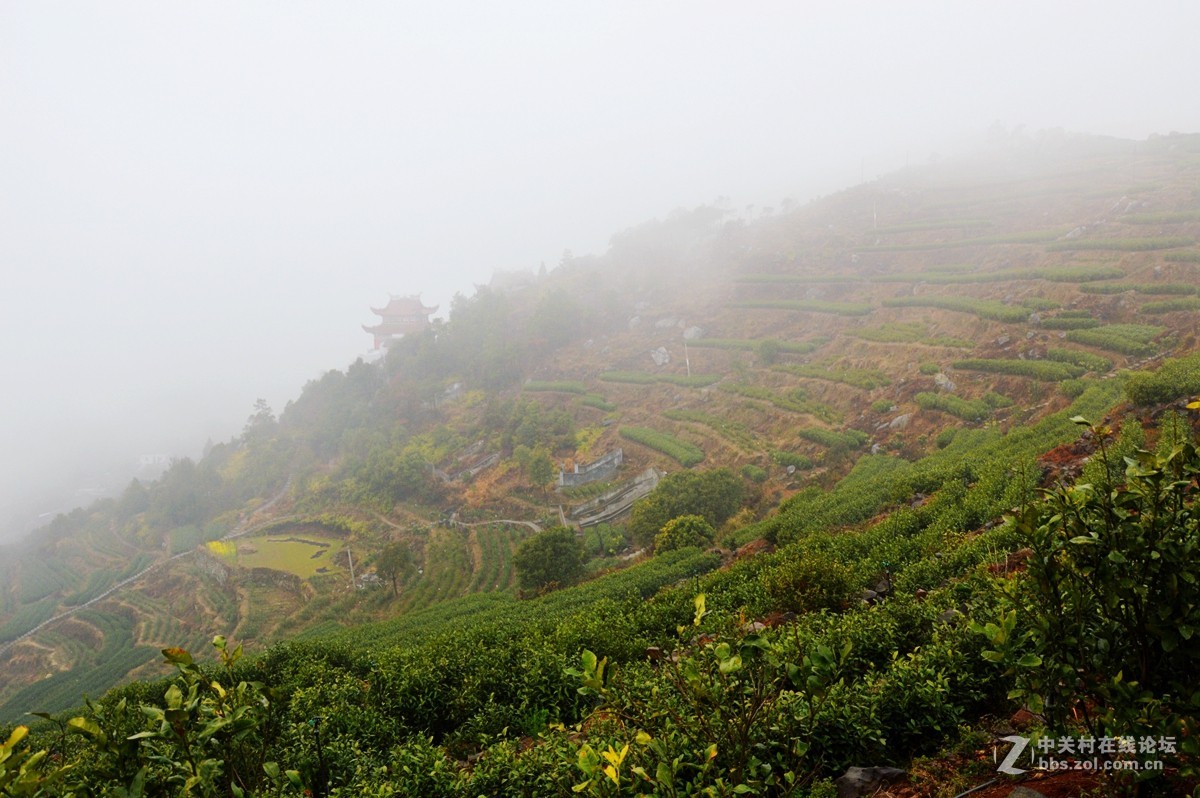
x: 1019, y: 744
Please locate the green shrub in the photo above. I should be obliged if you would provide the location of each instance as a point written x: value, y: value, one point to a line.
x: 1049, y: 371
x: 560, y: 386
x: 929, y: 369
x: 684, y: 532
x: 1127, y: 339
x: 867, y: 379
x: 754, y: 473
x: 1176, y: 378
x: 686, y: 454
x: 599, y: 402
x: 785, y: 459
x: 1061, y: 323
x: 983, y: 308
x: 809, y: 582
x: 882, y: 406
x: 749, y: 345
x: 1121, y: 244
x: 1072, y: 388
x: 1080, y: 634
x: 553, y: 557
x: 967, y: 410
x: 808, y: 305
x: 904, y: 332
x: 1080, y: 358
x: 834, y: 440
x: 645, y: 378
x: 1171, y: 305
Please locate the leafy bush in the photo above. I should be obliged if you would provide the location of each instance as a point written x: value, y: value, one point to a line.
x: 797, y: 402
x: 754, y: 473
x: 983, y: 308
x: 834, y: 440
x: 749, y: 345
x: 686, y: 454
x: 929, y: 369
x: 966, y: 409
x: 645, y: 378
x: 1080, y: 358
x: 1049, y: 371
x: 714, y: 495
x: 1171, y: 305
x: 785, y: 459
x: 1072, y: 388
x: 560, y: 386
x: 732, y: 431
x: 599, y: 402
x: 867, y: 379
x: 1121, y: 244
x: 684, y: 532
x: 1068, y: 323
x: 553, y: 557
x: 1128, y: 339
x: 906, y: 332
x: 1176, y: 378
x: 809, y: 305
x: 1083, y: 639
x: 810, y: 582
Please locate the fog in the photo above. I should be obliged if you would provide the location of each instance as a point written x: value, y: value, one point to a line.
x: 199, y: 202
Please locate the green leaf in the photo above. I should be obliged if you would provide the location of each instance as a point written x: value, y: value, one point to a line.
x: 1030, y: 661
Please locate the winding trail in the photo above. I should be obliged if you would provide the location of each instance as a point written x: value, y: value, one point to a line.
x: 244, y: 527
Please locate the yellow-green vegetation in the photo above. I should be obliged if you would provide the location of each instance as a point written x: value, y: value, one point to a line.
x: 906, y: 332
x: 646, y: 378
x: 867, y: 379
x: 1127, y: 339
x: 750, y: 345
x: 1122, y: 244
x: 983, y: 308
x: 808, y: 305
x: 302, y: 555
x: 687, y: 454
x: 1030, y: 237
x: 796, y: 402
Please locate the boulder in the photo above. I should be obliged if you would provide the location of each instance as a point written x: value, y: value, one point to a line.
x: 856, y: 782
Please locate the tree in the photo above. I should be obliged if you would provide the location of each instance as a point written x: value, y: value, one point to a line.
x: 394, y: 563
x: 684, y: 531
x: 540, y: 468
x: 715, y: 495
x: 552, y: 557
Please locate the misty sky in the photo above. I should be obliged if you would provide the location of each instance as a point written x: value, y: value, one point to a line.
x: 199, y: 201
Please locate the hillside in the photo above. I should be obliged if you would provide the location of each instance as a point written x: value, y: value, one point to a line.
x: 889, y: 362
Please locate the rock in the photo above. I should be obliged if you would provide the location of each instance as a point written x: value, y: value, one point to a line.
x: 869, y: 595
x: 1022, y: 719
x: 949, y: 616
x: 754, y: 627
x: 856, y: 782
x: 692, y: 333
x: 921, y: 594
x: 900, y: 422
x: 1003, y: 340
x: 1025, y: 792
x: 1035, y: 318
x: 654, y: 653
x: 660, y: 356
x: 634, y: 322
x: 669, y: 321
x: 943, y: 382
x: 876, y: 448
